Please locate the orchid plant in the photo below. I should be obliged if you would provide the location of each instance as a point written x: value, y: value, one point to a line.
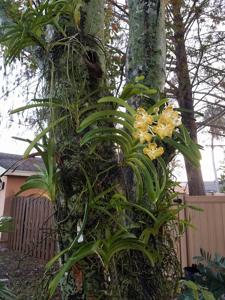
x: 162, y: 125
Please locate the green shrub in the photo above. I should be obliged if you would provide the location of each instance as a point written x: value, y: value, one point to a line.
x: 208, y: 282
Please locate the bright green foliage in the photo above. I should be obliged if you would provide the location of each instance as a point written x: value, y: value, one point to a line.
x: 46, y: 180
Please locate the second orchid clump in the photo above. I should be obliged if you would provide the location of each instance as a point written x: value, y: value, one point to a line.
x: 147, y: 126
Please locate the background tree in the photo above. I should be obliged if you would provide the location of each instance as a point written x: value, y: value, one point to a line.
x: 195, y: 41
x: 216, y: 125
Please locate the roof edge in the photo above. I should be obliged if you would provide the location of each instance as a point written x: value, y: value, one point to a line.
x: 11, y: 172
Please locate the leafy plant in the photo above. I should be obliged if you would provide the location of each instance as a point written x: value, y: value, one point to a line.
x: 46, y: 180
x: 209, y: 280
x: 30, y: 25
x: 194, y: 291
x: 5, y: 226
x: 5, y: 293
x: 211, y: 273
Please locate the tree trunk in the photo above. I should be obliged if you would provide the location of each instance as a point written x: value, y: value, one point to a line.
x: 147, y: 43
x: 214, y: 164
x: 146, y: 53
x: 184, y: 96
x: 146, y: 56
x: 77, y: 79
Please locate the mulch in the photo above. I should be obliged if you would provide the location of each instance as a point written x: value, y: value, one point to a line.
x: 24, y: 275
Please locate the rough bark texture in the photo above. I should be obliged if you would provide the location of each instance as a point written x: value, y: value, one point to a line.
x: 147, y: 46
x: 78, y: 80
x: 184, y: 96
x: 146, y: 52
x: 146, y: 56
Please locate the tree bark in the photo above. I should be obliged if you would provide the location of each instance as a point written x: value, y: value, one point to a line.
x: 214, y: 163
x: 147, y: 43
x: 78, y: 79
x: 184, y: 96
x: 146, y: 56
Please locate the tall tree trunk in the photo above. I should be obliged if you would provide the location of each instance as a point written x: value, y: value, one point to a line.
x: 184, y: 96
x: 146, y: 56
x: 77, y: 75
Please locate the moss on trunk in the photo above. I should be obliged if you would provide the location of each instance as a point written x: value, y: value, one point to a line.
x: 147, y: 46
x: 77, y: 80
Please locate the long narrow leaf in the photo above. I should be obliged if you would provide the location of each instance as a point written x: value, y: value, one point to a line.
x: 93, y: 118
x: 105, y: 130
x: 82, y: 252
x: 118, y: 101
x: 120, y: 140
x: 43, y: 133
x: 146, y: 177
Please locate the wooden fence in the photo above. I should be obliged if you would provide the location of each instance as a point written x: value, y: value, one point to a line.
x: 209, y: 232
x: 34, y: 230
x: 33, y: 227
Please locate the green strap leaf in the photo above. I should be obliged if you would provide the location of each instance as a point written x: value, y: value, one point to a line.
x: 118, y: 101
x: 142, y: 208
x: 207, y: 295
x: 125, y: 244
x: 120, y: 140
x: 194, y: 288
x: 36, y: 105
x: 105, y: 130
x: 79, y: 254
x: 93, y: 118
x: 164, y: 177
x: 146, y: 177
x: 187, y: 152
x: 149, y: 164
x: 157, y: 105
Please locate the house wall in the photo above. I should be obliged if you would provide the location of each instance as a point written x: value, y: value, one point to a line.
x: 2, y: 195
x: 12, y: 186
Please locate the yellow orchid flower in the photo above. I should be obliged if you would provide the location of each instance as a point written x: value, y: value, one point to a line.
x: 142, y: 119
x: 142, y: 136
x: 169, y: 115
x: 163, y: 129
x: 152, y: 151
x: 141, y: 126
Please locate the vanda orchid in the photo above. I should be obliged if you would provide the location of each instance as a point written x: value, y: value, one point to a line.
x: 149, y: 127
